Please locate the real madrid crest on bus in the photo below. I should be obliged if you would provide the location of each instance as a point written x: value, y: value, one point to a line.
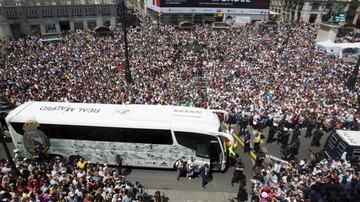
x: 34, y: 138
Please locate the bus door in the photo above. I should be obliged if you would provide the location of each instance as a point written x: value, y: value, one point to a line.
x: 202, y: 151
x: 221, y: 138
x: 215, y: 154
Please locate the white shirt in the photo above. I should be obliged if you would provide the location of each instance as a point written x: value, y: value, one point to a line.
x: 316, y: 171
x: 343, y: 156
x: 191, y: 164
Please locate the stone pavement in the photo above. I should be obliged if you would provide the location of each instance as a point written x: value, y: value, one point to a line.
x: 193, y: 196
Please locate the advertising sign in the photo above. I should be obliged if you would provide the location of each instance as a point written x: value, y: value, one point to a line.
x: 257, y: 4
x: 340, y: 18
x: 248, y: 7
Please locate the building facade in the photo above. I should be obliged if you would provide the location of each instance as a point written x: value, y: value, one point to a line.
x: 22, y: 17
x: 317, y: 11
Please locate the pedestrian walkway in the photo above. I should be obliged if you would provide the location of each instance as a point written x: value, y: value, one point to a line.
x: 194, y: 196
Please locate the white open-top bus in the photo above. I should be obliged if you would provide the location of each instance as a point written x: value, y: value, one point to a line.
x: 141, y: 135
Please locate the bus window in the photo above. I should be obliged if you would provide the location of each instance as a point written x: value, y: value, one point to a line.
x: 92, y: 133
x: 202, y: 151
x: 197, y: 142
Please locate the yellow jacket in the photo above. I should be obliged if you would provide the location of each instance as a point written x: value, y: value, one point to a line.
x: 257, y: 138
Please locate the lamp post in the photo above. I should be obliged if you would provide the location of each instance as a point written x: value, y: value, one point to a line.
x: 5, y: 107
x: 128, y: 77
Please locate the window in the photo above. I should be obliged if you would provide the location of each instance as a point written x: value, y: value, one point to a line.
x: 107, y: 23
x: 91, y: 24
x: 93, y: 133
x: 78, y: 25
x: 356, y: 153
x: 196, y: 141
x: 341, y: 147
x: 50, y: 28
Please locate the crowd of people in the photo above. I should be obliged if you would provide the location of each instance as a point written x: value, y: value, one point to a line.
x: 57, y: 180
x: 269, y: 78
x: 260, y: 74
x: 311, y: 179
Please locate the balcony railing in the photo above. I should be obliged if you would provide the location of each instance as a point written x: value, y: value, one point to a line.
x: 30, y: 12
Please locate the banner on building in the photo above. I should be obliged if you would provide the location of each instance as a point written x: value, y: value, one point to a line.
x: 256, y: 4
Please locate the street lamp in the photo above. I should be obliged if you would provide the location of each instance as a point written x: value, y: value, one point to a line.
x: 6, y: 106
x: 128, y: 77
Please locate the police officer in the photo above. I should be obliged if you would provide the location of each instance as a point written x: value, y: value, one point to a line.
x: 247, y: 140
x: 260, y: 158
x: 272, y: 132
x: 242, y: 193
x: 317, y: 137
x: 296, y: 133
x: 239, y: 168
x: 227, y: 145
x: 257, y: 140
x: 205, y: 175
x: 242, y: 124
x: 284, y: 137
x: 310, y: 126
x: 295, y: 145
x: 231, y: 155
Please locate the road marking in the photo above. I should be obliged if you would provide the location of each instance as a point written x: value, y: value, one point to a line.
x: 241, y: 142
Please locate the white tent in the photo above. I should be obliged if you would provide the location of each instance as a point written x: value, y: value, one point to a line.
x: 344, y: 46
x: 328, y: 47
x: 336, y: 48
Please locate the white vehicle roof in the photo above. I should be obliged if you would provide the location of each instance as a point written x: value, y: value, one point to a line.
x: 177, y: 118
x: 350, y: 137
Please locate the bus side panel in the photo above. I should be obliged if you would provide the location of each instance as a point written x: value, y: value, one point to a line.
x: 132, y: 154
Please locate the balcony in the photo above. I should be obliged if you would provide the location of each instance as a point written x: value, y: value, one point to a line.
x: 31, y: 12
